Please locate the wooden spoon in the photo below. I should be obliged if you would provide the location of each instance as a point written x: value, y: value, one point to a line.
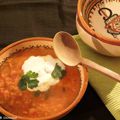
x: 68, y: 51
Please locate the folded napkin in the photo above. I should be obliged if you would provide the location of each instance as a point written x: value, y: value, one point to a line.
x: 107, y: 89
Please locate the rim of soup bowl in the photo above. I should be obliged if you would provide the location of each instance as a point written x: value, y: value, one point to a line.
x: 86, y: 27
x: 82, y: 90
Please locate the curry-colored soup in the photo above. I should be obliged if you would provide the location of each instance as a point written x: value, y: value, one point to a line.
x: 24, y: 103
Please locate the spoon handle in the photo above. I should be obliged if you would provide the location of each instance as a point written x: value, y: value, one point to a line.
x: 101, y: 69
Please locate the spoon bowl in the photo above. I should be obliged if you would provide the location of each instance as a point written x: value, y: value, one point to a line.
x: 67, y: 49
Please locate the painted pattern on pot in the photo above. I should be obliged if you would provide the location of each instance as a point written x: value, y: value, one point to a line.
x: 104, y: 17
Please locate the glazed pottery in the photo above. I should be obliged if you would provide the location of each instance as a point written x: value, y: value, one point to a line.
x: 98, y: 24
x: 46, y: 43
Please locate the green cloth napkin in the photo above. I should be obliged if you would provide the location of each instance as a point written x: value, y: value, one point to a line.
x: 107, y: 89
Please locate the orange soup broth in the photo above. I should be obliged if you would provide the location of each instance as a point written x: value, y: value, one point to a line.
x: 25, y: 103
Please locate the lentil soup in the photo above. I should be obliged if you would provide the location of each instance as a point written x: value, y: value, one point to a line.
x: 25, y: 103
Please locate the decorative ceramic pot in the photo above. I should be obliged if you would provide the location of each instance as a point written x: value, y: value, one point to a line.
x: 46, y: 43
x: 98, y: 24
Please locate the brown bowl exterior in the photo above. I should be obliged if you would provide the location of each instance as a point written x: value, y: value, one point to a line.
x: 45, y: 42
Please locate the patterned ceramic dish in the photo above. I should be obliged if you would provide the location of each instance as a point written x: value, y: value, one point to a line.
x: 37, y: 42
x: 98, y: 23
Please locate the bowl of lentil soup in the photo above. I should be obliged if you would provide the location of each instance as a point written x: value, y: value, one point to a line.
x: 34, y: 84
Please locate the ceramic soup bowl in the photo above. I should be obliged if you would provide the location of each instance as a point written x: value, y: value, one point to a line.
x: 98, y: 24
x: 26, y: 45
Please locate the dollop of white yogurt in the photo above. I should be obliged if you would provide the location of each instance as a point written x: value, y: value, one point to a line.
x: 44, y: 66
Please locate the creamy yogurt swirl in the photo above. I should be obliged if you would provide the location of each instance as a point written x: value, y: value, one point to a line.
x: 44, y: 66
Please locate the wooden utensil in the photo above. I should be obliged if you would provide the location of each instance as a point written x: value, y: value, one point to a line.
x: 68, y: 51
